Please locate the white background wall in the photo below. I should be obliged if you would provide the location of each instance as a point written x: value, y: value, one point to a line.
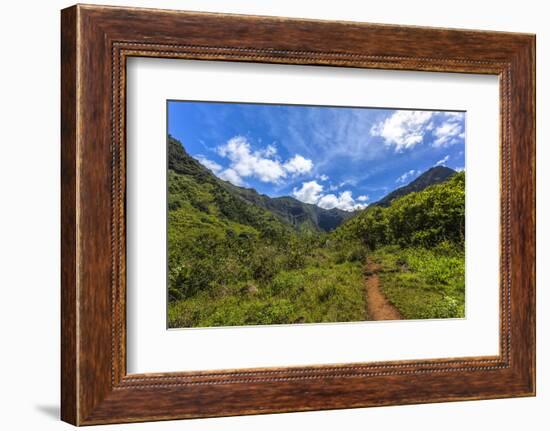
x: 29, y: 215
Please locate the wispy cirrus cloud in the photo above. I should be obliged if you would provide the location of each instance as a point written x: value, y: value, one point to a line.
x: 407, y: 176
x: 443, y: 161
x: 324, y: 133
x: 448, y: 133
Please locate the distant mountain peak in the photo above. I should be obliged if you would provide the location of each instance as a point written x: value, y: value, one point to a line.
x: 434, y: 175
x: 437, y: 170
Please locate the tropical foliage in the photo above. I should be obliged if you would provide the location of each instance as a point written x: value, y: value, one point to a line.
x: 234, y: 261
x: 425, y: 218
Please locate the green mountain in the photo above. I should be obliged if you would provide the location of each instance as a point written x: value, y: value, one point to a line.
x: 193, y: 186
x: 299, y: 215
x: 435, y: 175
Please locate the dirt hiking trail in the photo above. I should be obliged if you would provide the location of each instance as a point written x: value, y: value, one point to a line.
x: 378, y: 306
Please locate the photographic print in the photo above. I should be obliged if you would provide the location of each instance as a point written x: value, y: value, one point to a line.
x: 297, y: 214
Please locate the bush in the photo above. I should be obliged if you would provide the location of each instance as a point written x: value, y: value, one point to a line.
x: 432, y: 216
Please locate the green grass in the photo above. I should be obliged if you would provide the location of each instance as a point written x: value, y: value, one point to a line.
x: 423, y: 283
x: 333, y: 293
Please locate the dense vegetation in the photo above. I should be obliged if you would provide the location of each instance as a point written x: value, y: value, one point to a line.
x: 418, y: 241
x: 425, y: 218
x: 233, y: 260
x: 301, y: 216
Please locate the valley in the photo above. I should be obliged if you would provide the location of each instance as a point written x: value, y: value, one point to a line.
x: 237, y: 257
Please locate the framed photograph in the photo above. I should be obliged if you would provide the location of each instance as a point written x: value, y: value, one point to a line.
x: 266, y: 215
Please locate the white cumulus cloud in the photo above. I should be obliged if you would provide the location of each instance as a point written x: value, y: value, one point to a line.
x: 260, y: 164
x: 269, y: 151
x: 298, y: 165
x: 343, y: 201
x: 404, y: 129
x: 311, y: 192
x: 328, y: 201
x: 363, y: 198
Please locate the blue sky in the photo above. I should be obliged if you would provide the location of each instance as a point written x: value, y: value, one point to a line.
x: 329, y: 156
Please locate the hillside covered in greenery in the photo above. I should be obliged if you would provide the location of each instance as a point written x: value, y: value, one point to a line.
x: 236, y: 257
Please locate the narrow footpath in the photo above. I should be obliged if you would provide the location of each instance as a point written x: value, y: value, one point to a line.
x: 378, y: 306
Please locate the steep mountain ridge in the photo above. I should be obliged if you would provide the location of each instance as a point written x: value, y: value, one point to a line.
x: 434, y: 175
x: 291, y: 210
x: 298, y: 214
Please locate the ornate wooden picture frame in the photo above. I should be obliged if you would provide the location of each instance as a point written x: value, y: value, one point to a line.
x: 96, y: 41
